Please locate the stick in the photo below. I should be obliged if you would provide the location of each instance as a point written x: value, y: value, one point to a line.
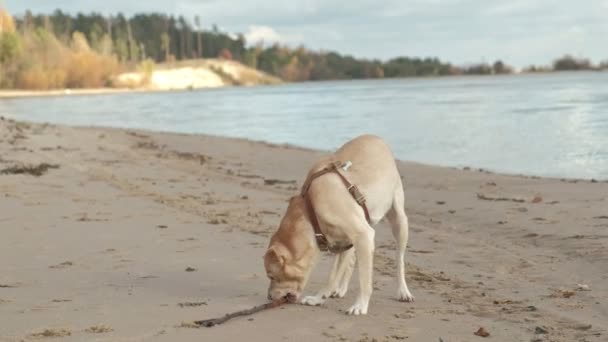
x: 208, y: 323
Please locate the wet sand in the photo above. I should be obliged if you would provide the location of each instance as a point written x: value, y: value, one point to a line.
x: 131, y: 235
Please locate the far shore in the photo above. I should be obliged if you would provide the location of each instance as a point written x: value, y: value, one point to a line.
x: 20, y: 93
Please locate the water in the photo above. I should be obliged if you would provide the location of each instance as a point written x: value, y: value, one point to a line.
x: 547, y: 125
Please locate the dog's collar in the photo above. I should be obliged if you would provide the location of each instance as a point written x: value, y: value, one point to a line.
x: 336, y: 167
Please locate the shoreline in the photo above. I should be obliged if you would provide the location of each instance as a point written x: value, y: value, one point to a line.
x: 13, y: 94
x: 20, y: 93
x: 24, y: 94
x: 470, y: 168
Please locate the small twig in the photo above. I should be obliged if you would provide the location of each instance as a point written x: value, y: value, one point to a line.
x: 208, y: 323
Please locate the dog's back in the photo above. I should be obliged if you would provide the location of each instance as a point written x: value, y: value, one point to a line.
x: 373, y: 170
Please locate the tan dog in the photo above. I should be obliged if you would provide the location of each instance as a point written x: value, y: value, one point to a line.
x: 293, y: 249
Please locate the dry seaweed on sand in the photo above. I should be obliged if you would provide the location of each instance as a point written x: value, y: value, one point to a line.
x: 278, y: 181
x: 33, y: 170
x: 99, y: 329
x: 190, y: 304
x: 63, y: 265
x: 52, y: 333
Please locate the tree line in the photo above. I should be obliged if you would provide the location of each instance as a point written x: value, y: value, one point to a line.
x: 60, y: 43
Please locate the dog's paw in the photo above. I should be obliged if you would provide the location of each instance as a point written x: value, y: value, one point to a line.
x: 357, y: 309
x: 404, y: 295
x: 312, y: 300
x: 339, y: 293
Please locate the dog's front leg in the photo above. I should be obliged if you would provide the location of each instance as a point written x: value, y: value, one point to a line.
x: 345, y: 271
x: 364, y: 247
x: 332, y: 284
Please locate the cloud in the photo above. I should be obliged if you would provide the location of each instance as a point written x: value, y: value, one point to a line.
x: 575, y: 29
x: 512, y: 7
x: 262, y: 34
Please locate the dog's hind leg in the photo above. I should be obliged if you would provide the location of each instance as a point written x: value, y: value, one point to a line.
x: 399, y: 224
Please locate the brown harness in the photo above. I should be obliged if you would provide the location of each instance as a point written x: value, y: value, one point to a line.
x: 352, y: 189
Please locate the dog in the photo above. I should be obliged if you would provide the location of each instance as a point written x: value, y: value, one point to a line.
x: 365, y: 163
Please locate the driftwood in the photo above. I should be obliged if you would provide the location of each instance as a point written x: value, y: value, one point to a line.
x: 499, y: 199
x: 208, y: 323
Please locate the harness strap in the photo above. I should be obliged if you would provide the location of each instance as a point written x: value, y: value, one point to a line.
x: 352, y: 189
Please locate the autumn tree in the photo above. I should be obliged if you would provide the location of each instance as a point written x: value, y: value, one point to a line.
x: 165, y: 42
x: 199, y: 41
x: 7, y: 24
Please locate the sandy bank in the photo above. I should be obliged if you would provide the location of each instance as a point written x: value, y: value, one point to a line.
x: 196, y: 74
x: 183, y: 75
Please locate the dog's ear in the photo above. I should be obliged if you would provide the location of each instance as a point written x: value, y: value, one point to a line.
x: 272, y: 256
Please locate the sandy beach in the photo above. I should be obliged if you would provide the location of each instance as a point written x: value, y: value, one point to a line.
x: 129, y: 235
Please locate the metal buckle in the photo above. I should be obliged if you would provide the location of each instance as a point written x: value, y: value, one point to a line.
x: 354, y: 191
x: 336, y: 164
x: 322, y: 242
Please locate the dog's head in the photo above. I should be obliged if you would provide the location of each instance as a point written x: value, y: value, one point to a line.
x: 290, y: 255
x: 286, y: 278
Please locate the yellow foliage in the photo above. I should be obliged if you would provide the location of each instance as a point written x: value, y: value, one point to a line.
x: 38, y: 78
x: 7, y: 24
x: 49, y: 64
x: 80, y: 43
x: 90, y: 70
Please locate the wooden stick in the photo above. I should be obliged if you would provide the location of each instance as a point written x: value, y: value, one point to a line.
x: 208, y: 323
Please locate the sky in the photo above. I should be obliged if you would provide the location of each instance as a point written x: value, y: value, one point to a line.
x: 519, y: 32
